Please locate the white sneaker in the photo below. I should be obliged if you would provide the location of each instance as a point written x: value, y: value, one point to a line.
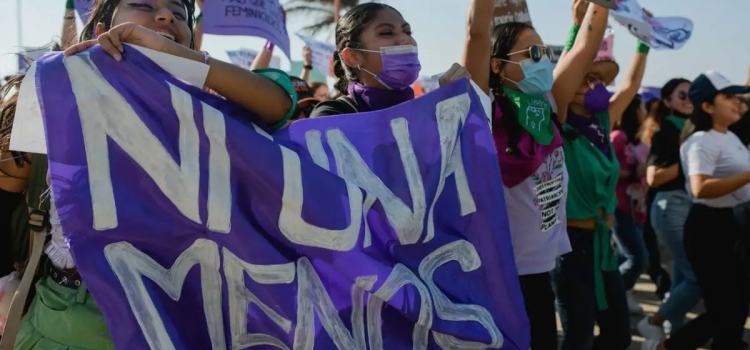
x: 650, y: 331
x: 650, y: 345
x: 633, y: 306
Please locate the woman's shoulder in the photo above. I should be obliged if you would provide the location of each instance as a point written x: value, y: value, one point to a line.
x: 341, y: 105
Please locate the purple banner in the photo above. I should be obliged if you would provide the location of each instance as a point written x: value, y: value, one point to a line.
x: 195, y: 229
x: 84, y: 7
x: 259, y: 18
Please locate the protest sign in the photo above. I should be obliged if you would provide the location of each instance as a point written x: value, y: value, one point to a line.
x: 84, y: 7
x: 321, y: 53
x: 511, y: 11
x: 195, y: 229
x: 244, y: 58
x: 259, y: 18
x: 658, y: 32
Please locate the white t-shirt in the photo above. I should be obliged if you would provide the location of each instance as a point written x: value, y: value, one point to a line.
x: 718, y: 155
x: 536, y: 213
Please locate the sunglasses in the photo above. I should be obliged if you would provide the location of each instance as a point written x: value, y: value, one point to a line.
x: 536, y: 52
x: 682, y: 95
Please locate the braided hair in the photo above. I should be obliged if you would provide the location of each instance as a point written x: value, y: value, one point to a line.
x: 348, y: 32
x: 504, y: 37
x: 103, y: 12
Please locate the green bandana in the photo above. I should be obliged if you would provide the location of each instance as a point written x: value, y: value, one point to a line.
x: 533, y: 115
x: 677, y: 121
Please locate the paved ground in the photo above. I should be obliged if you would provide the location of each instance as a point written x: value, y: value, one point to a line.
x: 644, y: 290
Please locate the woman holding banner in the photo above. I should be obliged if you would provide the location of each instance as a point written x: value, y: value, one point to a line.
x: 515, y: 68
x: 587, y: 282
x: 63, y: 314
x: 375, y: 67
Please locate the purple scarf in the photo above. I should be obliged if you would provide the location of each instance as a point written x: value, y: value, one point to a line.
x: 516, y: 168
x: 374, y: 99
x: 591, y: 129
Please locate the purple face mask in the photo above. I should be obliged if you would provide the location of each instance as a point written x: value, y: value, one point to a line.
x: 596, y: 100
x: 401, y: 66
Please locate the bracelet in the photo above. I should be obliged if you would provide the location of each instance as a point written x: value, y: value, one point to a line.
x: 572, y: 37
x: 308, y: 67
x: 69, y: 18
x: 70, y: 5
x: 642, y: 48
x: 206, y: 57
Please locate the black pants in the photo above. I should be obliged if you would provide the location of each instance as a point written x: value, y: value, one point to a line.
x: 712, y: 239
x: 540, y: 307
x: 9, y: 201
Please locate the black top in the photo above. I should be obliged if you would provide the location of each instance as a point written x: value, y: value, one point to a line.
x: 742, y: 129
x: 665, y: 152
x: 341, y: 105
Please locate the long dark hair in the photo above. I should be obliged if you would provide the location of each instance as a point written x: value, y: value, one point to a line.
x: 103, y: 12
x: 629, y: 123
x: 348, y: 32
x: 504, y: 37
x: 663, y: 111
x: 700, y: 120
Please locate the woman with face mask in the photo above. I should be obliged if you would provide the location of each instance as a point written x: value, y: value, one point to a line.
x: 717, y: 166
x: 376, y: 61
x: 63, y: 314
x: 512, y: 64
x: 587, y: 283
x: 670, y: 208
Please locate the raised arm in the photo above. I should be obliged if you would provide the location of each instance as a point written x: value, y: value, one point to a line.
x: 69, y: 31
x: 571, y: 69
x: 625, y: 94
x: 478, y: 46
x: 307, y: 64
x: 263, y: 60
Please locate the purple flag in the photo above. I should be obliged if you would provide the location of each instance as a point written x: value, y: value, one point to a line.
x: 84, y: 7
x: 195, y: 229
x: 264, y: 19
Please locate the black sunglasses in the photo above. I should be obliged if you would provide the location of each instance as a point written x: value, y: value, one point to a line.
x: 682, y: 95
x: 536, y: 52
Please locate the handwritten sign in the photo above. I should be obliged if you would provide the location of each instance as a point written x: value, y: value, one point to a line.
x: 83, y: 8
x: 322, y: 53
x: 244, y: 58
x: 511, y: 11
x: 259, y: 18
x: 196, y: 229
x: 658, y: 32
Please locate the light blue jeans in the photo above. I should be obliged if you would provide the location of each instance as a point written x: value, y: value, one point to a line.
x: 668, y: 215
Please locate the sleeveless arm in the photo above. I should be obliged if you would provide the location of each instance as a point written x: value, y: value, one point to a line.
x: 478, y: 45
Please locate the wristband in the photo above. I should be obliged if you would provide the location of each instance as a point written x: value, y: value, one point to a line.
x: 572, y: 37
x: 269, y: 46
x: 308, y: 67
x: 198, y: 18
x: 70, y: 5
x: 642, y: 48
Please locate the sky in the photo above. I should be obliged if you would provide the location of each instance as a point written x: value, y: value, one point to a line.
x: 439, y: 28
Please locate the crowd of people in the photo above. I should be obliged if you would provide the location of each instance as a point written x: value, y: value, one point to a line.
x: 598, y: 185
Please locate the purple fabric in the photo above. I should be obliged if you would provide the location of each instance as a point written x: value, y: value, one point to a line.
x: 84, y: 7
x: 589, y: 127
x: 399, y: 70
x: 596, y: 100
x: 263, y: 19
x: 517, y: 167
x: 374, y: 99
x: 278, y: 265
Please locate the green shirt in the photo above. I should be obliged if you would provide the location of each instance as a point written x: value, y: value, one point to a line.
x: 591, y: 189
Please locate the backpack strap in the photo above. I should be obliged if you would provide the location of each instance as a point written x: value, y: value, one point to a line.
x: 38, y: 208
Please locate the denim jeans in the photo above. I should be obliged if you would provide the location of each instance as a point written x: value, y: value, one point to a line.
x: 573, y: 282
x: 668, y: 215
x: 631, y: 248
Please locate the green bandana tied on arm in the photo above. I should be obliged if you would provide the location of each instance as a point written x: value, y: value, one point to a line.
x: 533, y: 114
x: 591, y: 191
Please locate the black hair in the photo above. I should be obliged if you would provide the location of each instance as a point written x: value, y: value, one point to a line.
x: 504, y: 37
x: 663, y: 111
x: 103, y: 12
x: 629, y: 123
x: 700, y: 120
x: 348, y: 32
